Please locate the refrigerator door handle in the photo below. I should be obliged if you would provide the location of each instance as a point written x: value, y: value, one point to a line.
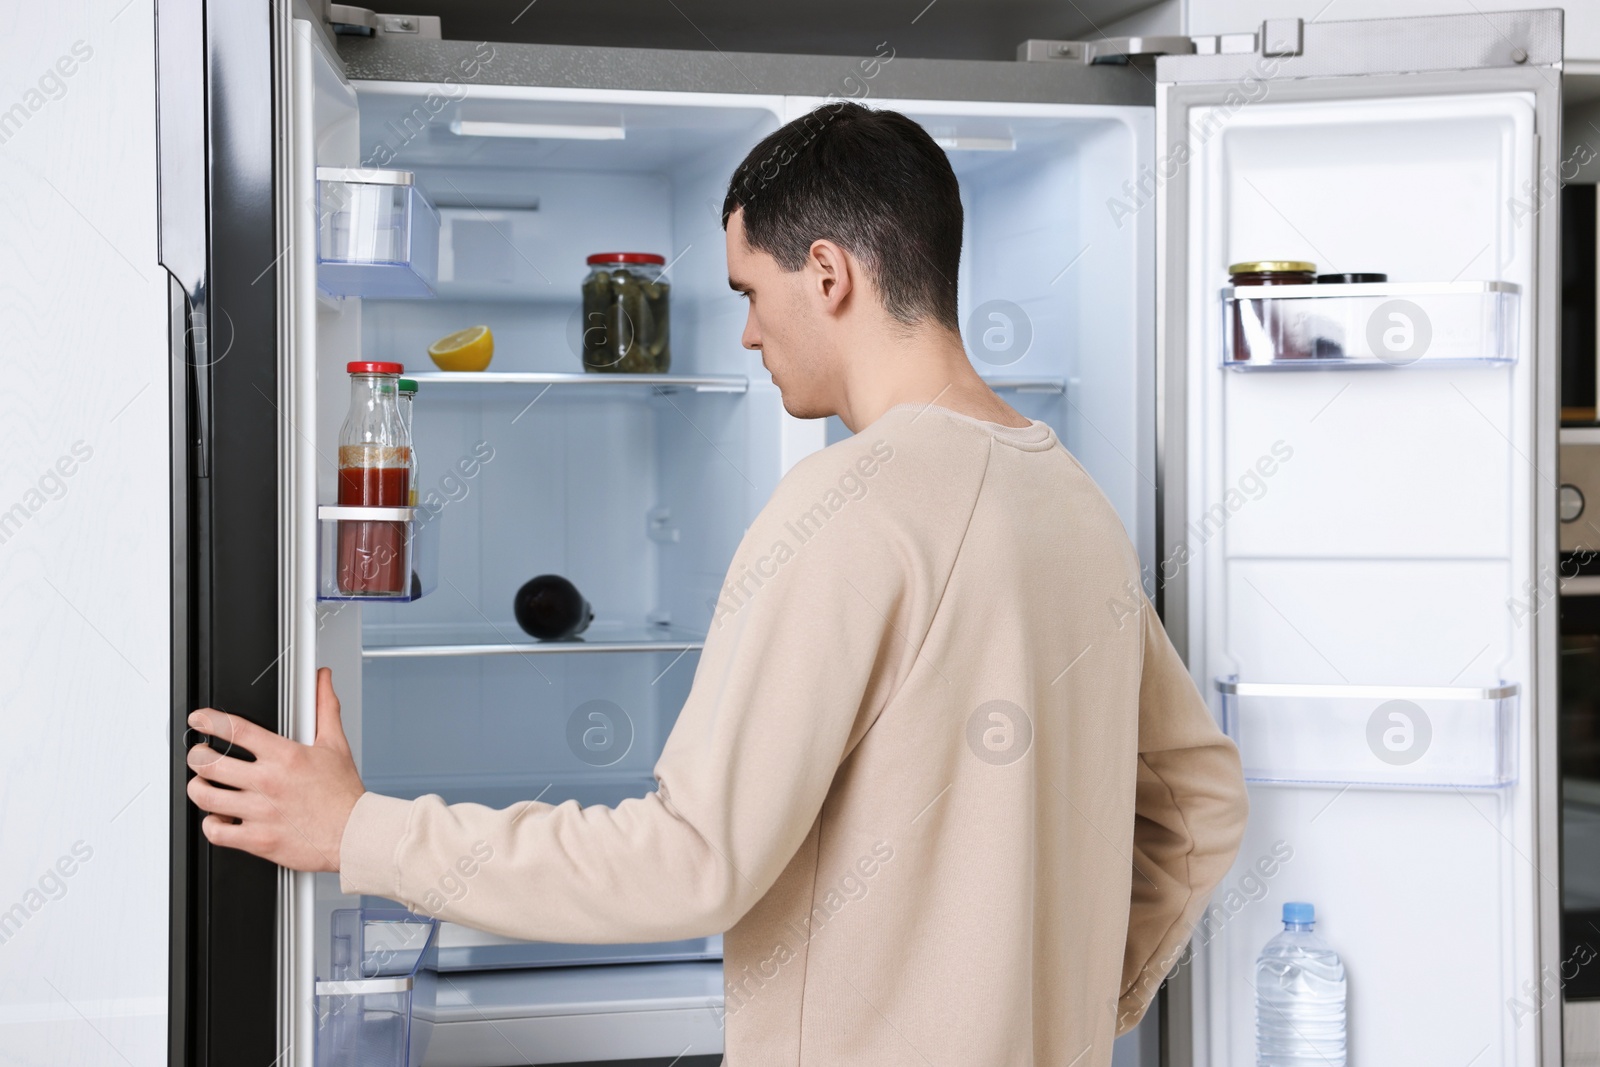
x: 181, y: 161
x: 196, y: 355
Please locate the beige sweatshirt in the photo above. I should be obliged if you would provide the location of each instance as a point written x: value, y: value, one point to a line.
x: 940, y: 777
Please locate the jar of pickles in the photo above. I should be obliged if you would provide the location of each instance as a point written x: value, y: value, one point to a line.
x: 625, y: 314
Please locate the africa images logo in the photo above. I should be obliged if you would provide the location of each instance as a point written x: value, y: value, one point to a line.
x: 1399, y: 732
x: 999, y: 732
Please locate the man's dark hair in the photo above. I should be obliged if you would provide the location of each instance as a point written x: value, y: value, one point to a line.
x: 872, y: 181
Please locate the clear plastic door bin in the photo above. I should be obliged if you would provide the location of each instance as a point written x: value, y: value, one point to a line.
x: 377, y: 237
x: 376, y: 553
x: 375, y: 1009
x: 1428, y: 737
x: 1377, y: 324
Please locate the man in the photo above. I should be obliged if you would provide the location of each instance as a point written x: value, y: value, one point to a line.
x: 950, y: 800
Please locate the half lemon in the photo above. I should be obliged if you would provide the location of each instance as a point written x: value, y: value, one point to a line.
x: 469, y: 349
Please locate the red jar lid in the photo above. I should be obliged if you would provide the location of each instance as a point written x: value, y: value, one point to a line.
x: 361, y: 367
x: 627, y: 257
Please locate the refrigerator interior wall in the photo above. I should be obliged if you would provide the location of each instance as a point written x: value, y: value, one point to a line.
x: 641, y: 501
x: 1368, y: 528
x: 1055, y: 283
x: 639, y: 496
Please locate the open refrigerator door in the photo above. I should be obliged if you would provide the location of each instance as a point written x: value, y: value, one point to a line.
x: 1358, y: 512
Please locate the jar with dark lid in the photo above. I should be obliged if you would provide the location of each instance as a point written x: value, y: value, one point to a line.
x: 1367, y: 278
x: 625, y: 304
x: 1259, y: 330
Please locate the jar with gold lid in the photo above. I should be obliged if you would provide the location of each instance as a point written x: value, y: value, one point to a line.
x: 1258, y: 331
x: 1273, y: 272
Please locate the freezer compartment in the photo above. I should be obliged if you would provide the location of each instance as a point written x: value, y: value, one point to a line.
x: 377, y: 234
x: 371, y: 554
x: 375, y: 1007
x: 1419, y: 737
x: 1306, y: 327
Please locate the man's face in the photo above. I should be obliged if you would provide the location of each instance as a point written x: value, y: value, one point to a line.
x: 783, y: 324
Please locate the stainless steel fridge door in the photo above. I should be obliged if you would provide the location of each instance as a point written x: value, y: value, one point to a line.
x: 1358, y: 495
x: 212, y: 133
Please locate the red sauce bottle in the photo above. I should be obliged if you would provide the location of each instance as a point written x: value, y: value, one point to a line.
x: 374, y: 472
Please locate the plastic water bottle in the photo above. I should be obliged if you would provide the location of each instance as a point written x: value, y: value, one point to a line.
x: 1299, y: 997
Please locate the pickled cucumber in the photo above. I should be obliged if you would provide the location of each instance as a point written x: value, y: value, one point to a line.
x: 625, y: 323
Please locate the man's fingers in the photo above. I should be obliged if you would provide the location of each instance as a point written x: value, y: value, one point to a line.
x: 234, y: 803
x: 330, y: 729
x: 213, y: 765
x: 220, y: 831
x: 232, y: 732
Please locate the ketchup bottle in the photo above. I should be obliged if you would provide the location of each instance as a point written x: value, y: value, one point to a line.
x: 374, y: 472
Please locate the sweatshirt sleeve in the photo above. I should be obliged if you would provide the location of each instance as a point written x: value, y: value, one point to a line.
x: 806, y: 645
x: 1189, y: 816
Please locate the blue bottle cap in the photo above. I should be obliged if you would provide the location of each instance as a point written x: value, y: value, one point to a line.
x: 1298, y: 911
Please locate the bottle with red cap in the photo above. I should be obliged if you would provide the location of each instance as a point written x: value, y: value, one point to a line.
x: 374, y: 472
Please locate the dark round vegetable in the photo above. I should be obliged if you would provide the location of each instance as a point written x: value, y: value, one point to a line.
x: 550, y: 608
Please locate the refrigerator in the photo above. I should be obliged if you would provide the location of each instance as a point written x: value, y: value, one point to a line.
x: 1342, y: 494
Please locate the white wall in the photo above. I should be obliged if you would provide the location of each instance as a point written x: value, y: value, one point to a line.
x: 84, y: 651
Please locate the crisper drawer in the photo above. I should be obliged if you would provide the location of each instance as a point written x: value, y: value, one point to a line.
x: 656, y: 1012
x: 1418, y: 737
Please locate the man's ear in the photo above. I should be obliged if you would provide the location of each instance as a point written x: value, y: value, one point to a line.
x: 832, y: 274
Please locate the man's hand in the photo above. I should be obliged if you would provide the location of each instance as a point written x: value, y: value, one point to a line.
x: 290, y: 806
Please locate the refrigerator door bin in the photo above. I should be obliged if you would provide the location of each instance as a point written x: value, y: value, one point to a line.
x: 1427, y: 737
x: 375, y: 1009
x: 368, y: 554
x: 377, y: 234
x: 1311, y: 327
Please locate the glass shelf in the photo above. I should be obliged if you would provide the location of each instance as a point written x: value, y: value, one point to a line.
x: 487, y: 639
x: 1324, y: 327
x: 1408, y: 737
x: 654, y: 383
x: 663, y: 383
x: 1027, y: 385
